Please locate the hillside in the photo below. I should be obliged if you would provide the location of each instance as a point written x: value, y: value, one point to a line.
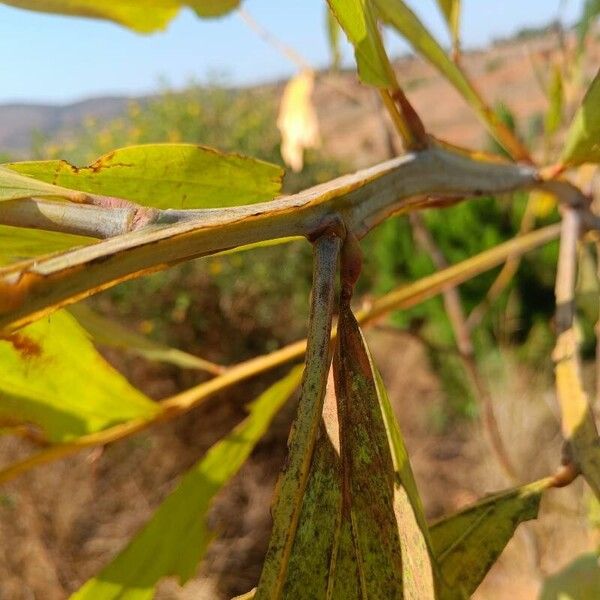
x: 352, y: 127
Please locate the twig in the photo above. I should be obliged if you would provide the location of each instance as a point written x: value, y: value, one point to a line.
x: 456, y: 316
x: 273, y: 41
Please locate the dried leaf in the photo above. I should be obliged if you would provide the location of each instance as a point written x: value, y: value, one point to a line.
x: 297, y: 120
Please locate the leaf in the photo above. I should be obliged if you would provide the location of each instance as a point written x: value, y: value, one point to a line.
x: 302, y: 440
x: 108, y: 332
x: 166, y: 176
x: 357, y: 19
x: 212, y: 8
x: 333, y: 36
x: 583, y: 138
x: 468, y: 543
x: 144, y: 17
x: 553, y: 117
x: 390, y: 547
x: 577, y: 420
x: 19, y: 243
x: 418, y: 566
x: 16, y: 187
x: 397, y: 14
x: 297, y: 120
x: 309, y: 573
x: 579, y: 580
x: 451, y: 12
x: 52, y: 376
x: 591, y: 11
x: 176, y: 537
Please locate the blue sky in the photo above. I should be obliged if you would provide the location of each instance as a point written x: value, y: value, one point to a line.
x: 52, y: 59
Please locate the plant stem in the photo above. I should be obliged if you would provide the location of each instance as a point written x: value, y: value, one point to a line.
x: 35, y: 288
x: 462, y: 335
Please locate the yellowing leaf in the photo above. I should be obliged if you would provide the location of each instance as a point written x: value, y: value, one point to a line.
x: 543, y: 203
x: 556, y: 98
x: 297, y: 120
x: 52, y: 376
x: 108, y: 332
x: 451, y: 11
x: 333, y: 36
x: 166, y: 176
x: 358, y: 20
x: 417, y: 564
x: 176, y: 537
x: 19, y: 243
x: 583, y: 139
x: 143, y: 16
x: 467, y: 544
x: 16, y: 187
x: 212, y: 8
x: 578, y: 425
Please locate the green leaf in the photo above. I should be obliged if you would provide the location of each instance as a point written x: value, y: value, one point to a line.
x: 107, y: 332
x: 468, y: 543
x: 19, y: 243
x: 309, y: 573
x: 142, y: 16
x: 358, y: 20
x: 16, y: 187
x: 579, y: 580
x: 451, y: 11
x: 583, y: 139
x: 591, y: 11
x: 333, y: 35
x: 53, y: 377
x: 176, y: 537
x: 404, y: 20
x: 166, y: 176
x: 556, y: 98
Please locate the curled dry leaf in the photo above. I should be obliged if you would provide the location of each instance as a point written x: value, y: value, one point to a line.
x: 297, y: 120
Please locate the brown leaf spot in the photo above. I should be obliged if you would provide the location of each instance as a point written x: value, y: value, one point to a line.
x: 24, y: 345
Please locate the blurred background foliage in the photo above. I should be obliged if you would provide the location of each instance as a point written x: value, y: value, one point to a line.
x: 260, y: 297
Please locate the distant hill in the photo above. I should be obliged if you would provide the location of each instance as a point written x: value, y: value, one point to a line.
x: 352, y: 126
x: 19, y: 122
